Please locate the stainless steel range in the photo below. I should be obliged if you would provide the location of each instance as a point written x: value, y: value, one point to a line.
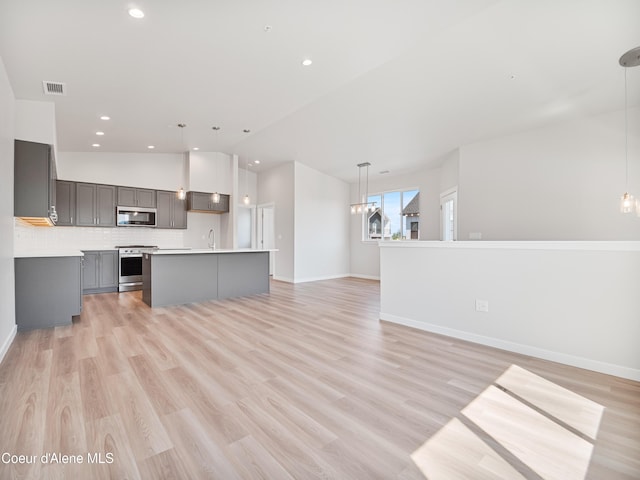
x: 130, y: 266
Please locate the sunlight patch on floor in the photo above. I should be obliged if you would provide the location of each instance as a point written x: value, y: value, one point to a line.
x: 456, y: 453
x: 526, y: 415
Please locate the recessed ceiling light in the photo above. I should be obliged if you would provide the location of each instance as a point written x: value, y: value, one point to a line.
x: 257, y: 162
x: 105, y: 117
x: 215, y: 128
x: 196, y: 148
x: 136, y: 13
x: 513, y: 76
x: 268, y: 28
x: 95, y: 145
x: 151, y: 147
x: 246, y: 130
x: 306, y: 62
x: 99, y: 133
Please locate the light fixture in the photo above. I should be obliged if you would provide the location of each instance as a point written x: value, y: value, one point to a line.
x: 151, y: 147
x: 366, y: 206
x: 196, y: 148
x: 215, y: 196
x: 257, y: 162
x: 246, y: 200
x: 306, y: 62
x: 105, y: 117
x: 181, y: 193
x: 95, y: 145
x: 136, y: 13
x: 99, y: 133
x: 627, y: 202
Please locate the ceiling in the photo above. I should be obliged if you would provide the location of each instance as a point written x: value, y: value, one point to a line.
x: 398, y: 83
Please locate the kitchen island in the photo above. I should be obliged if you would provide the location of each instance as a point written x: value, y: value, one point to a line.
x: 174, y: 277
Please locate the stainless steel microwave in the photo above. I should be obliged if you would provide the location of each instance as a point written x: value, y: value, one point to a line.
x: 136, y: 217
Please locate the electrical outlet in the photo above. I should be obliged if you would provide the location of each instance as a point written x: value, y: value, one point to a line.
x: 482, y: 305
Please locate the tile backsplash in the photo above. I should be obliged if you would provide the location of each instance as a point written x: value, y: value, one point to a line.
x: 27, y: 239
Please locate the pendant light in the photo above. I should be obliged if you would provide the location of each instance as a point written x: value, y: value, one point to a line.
x: 246, y: 200
x: 181, y: 193
x: 215, y: 196
x: 366, y: 206
x: 627, y: 202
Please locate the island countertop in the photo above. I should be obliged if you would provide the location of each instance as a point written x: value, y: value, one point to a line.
x: 191, y: 251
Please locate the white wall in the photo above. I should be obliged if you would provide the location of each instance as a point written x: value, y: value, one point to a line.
x: 7, y: 285
x: 160, y: 171
x: 365, y: 258
x: 449, y: 171
x: 35, y: 121
x: 277, y: 186
x: 562, y: 182
x: 210, y: 172
x: 321, y: 225
x: 571, y: 302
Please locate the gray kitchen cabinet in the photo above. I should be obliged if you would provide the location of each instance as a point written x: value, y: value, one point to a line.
x: 100, y: 271
x: 172, y: 211
x: 66, y: 202
x: 136, y: 197
x: 34, y: 180
x: 47, y: 291
x: 201, y: 202
x: 95, y: 205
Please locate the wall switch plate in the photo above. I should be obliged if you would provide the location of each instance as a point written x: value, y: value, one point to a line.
x: 482, y: 305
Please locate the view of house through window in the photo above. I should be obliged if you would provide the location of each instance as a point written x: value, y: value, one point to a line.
x: 396, y: 216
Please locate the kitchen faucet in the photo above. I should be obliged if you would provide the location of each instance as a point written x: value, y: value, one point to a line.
x: 212, y: 239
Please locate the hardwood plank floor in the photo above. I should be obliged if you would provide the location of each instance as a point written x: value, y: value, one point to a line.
x: 302, y: 383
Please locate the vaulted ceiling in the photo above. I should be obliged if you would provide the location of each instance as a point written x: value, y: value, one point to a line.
x: 396, y: 83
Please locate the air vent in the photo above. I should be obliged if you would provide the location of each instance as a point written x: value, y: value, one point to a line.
x: 53, y: 88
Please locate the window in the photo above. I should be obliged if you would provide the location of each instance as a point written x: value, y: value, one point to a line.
x: 396, y: 216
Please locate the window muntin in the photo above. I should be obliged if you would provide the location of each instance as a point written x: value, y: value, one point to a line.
x: 390, y: 219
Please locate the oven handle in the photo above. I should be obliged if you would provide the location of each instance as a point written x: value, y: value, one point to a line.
x: 130, y: 255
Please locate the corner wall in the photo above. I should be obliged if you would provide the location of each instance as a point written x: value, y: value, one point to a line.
x: 276, y: 186
x: 7, y: 282
x: 321, y: 225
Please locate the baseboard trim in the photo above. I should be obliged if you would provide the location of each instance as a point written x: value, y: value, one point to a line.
x: 366, y: 277
x: 574, y: 361
x: 319, y: 279
x: 7, y: 343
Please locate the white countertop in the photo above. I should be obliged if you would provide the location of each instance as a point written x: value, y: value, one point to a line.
x: 39, y: 254
x: 191, y: 251
x: 595, y: 245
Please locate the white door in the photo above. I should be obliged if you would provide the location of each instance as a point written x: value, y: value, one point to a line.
x: 449, y: 215
x: 266, y: 232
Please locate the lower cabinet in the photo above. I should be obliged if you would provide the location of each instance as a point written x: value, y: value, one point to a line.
x: 48, y: 291
x: 100, y: 271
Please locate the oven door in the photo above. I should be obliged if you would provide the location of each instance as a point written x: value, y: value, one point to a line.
x: 130, y: 272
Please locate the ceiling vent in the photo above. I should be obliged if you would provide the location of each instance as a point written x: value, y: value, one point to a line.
x: 53, y: 88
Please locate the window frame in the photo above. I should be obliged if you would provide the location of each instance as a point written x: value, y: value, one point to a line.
x: 364, y: 225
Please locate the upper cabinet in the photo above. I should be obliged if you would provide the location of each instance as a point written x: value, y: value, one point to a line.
x: 202, y: 202
x: 172, y: 211
x: 66, y: 202
x: 136, y: 197
x: 34, y: 183
x: 95, y: 205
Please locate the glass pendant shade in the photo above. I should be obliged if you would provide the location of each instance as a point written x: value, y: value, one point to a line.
x: 627, y: 203
x: 246, y: 200
x: 215, y: 198
x: 182, y: 194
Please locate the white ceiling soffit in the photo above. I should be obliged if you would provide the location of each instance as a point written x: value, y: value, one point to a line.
x: 393, y: 83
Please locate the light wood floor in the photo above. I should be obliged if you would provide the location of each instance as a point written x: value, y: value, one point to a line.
x: 303, y: 383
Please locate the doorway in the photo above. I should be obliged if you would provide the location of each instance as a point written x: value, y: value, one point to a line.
x: 449, y: 215
x: 266, y: 231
